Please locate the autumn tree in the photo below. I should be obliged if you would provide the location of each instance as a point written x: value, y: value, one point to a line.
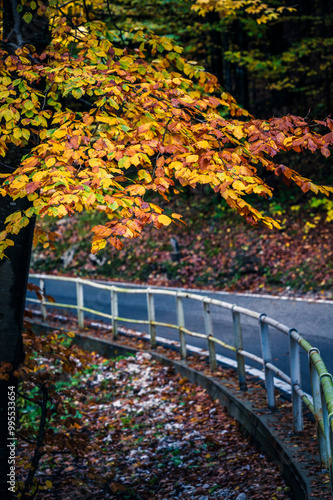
x: 93, y: 118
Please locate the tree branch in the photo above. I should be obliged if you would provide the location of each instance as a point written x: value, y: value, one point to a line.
x: 40, y: 438
x: 115, y: 25
x: 17, y: 24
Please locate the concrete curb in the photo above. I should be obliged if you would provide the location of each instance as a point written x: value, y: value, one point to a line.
x: 260, y: 427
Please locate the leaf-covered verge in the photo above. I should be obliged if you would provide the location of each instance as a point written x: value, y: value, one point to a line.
x: 217, y: 249
x: 130, y: 429
x: 160, y: 437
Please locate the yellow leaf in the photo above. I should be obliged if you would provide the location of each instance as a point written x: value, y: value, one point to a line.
x: 314, y: 188
x: 50, y: 162
x: 38, y: 176
x: 61, y: 211
x: 59, y: 133
x: 107, y: 119
x: 156, y: 208
x: 124, y: 162
x: 203, y: 144
x: 19, y: 183
x: 238, y: 185
x: 96, y: 162
x: 135, y: 159
x: 164, y: 219
x: 288, y: 141
x: 176, y: 165
x: 14, y: 217
x: 203, y: 179
x: 192, y: 158
x: 136, y: 189
x: 238, y: 132
x: 97, y: 245
x: 17, y: 133
x: 143, y: 174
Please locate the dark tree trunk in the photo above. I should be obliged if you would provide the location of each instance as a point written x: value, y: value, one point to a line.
x: 14, y: 270
x: 242, y: 83
x: 227, y: 81
x: 215, y: 57
x: 328, y: 80
x: 13, y: 284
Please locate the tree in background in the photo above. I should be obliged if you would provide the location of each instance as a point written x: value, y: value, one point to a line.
x: 274, y: 57
x: 277, y: 56
x: 93, y: 118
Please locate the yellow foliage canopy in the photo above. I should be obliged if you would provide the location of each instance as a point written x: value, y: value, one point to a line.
x: 105, y: 124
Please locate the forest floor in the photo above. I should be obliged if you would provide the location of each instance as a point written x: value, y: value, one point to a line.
x: 157, y: 437
x: 217, y: 250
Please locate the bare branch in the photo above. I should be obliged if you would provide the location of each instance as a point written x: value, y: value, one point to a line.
x: 39, y: 443
x: 115, y: 24
x: 17, y: 24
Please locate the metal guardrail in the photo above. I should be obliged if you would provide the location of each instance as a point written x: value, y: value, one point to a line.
x: 321, y: 406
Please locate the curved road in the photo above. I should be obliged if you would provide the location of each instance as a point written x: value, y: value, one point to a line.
x: 312, y: 319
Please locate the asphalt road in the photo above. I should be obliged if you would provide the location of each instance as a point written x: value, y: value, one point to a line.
x: 312, y: 319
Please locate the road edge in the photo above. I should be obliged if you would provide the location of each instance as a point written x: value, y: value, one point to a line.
x: 296, y: 298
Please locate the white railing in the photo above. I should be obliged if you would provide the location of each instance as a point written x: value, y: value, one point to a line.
x: 321, y: 405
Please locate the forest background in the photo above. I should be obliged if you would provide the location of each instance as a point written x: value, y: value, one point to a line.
x: 274, y: 58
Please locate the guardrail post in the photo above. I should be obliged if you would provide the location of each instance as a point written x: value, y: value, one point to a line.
x: 238, y: 338
x: 267, y: 357
x: 209, y: 333
x: 80, y: 304
x: 318, y: 411
x: 295, y: 375
x: 151, y: 318
x: 327, y: 428
x: 181, y: 323
x: 114, y: 312
x: 42, y: 304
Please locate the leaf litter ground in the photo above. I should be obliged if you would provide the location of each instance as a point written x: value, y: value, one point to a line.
x: 159, y: 437
x: 216, y: 251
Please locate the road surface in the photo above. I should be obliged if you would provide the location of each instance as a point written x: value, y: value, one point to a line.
x: 312, y: 319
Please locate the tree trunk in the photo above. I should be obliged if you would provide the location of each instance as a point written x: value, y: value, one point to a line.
x: 13, y: 284
x: 242, y: 83
x: 14, y: 270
